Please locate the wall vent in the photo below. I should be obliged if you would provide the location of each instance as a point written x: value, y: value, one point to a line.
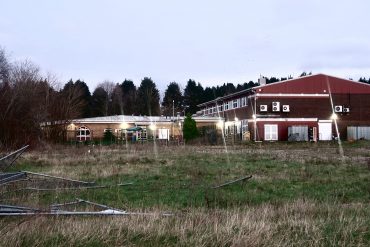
x: 286, y: 108
x: 263, y: 108
x: 275, y: 106
x: 338, y: 108
x: 345, y: 109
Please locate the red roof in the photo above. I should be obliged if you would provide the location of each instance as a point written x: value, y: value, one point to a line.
x: 316, y: 84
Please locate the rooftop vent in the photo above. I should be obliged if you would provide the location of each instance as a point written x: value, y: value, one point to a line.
x: 262, y: 81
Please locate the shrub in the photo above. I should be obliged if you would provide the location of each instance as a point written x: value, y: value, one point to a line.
x: 108, y: 137
x: 190, y: 128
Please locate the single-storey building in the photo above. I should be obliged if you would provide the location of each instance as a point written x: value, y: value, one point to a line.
x: 316, y: 107
x: 134, y: 128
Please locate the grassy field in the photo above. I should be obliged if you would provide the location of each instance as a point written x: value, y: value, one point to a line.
x: 300, y: 194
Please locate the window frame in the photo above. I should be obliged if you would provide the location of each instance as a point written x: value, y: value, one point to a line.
x: 83, y: 133
x: 235, y: 103
x: 271, y: 131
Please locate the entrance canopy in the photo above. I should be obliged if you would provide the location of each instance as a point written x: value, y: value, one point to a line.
x: 134, y: 129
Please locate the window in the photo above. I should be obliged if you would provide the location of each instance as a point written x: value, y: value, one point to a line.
x: 235, y: 103
x: 163, y: 134
x: 226, y: 106
x: 210, y: 110
x: 83, y: 134
x: 108, y: 130
x: 243, y: 101
x: 220, y: 108
x: 271, y: 132
x: 142, y: 134
x: 244, y: 125
x: 231, y: 104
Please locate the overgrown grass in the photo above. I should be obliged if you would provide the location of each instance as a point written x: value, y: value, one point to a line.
x: 299, y: 194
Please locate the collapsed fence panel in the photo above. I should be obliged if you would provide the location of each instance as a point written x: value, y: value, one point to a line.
x: 59, y: 178
x: 9, y: 159
x: 11, y: 176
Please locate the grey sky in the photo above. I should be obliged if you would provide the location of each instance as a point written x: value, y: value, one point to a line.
x: 210, y: 41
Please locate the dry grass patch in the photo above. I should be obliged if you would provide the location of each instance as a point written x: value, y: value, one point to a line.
x: 291, y: 224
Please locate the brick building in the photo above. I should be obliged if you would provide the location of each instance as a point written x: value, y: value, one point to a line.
x: 317, y: 107
x: 133, y: 128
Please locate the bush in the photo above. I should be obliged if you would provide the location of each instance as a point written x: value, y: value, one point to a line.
x: 190, y: 128
x: 108, y: 137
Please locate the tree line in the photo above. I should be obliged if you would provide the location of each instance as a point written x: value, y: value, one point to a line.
x: 29, y: 99
x: 125, y: 98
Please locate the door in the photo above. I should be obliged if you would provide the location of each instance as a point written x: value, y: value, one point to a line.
x: 271, y: 132
x: 163, y: 134
x: 325, y: 131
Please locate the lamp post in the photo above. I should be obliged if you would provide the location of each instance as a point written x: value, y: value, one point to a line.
x: 235, y: 127
x: 255, y: 126
x: 173, y: 117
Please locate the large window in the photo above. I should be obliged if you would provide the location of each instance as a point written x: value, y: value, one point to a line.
x: 271, y: 132
x: 231, y: 104
x: 235, y: 103
x: 243, y: 101
x: 83, y: 134
x: 220, y: 108
x: 244, y: 125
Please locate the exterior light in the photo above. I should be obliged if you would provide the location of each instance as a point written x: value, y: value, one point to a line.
x: 72, y: 126
x: 236, y: 119
x: 220, y: 124
x: 254, y: 116
x: 124, y: 125
x: 334, y: 116
x: 152, y: 127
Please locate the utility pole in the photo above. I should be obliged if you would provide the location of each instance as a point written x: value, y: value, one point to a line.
x: 173, y: 117
x: 173, y: 109
x: 255, y: 117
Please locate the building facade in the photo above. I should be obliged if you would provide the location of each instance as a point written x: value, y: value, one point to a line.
x: 317, y: 107
x: 134, y: 128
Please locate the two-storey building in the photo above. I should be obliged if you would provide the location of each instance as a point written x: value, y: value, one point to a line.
x: 317, y: 107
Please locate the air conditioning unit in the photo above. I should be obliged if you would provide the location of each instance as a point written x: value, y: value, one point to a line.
x: 338, y: 108
x: 286, y: 108
x: 263, y: 108
x: 345, y: 109
x: 275, y: 106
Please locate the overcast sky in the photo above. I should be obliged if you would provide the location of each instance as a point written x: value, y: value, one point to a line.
x: 209, y: 41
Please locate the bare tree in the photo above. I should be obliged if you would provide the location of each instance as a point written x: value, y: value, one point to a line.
x: 5, y: 66
x: 25, y: 99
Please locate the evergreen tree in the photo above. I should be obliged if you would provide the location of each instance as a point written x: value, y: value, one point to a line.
x: 148, y: 98
x: 172, y: 100
x: 192, y: 96
x: 272, y: 80
x: 98, y: 102
x: 108, y: 137
x: 128, y: 97
x: 117, y: 101
x: 190, y: 130
x: 86, y: 95
x: 209, y: 94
